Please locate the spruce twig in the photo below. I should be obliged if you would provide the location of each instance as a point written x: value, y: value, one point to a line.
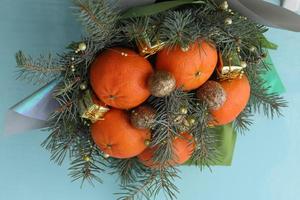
x: 99, y: 19
x: 88, y: 163
x: 178, y: 28
x: 151, y: 184
x: 262, y: 101
x: 40, y: 70
x: 166, y: 128
x: 128, y: 170
x: 243, y: 122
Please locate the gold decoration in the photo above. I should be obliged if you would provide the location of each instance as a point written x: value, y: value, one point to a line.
x: 243, y: 64
x: 87, y: 158
x: 83, y: 86
x: 230, y: 67
x: 106, y: 155
x: 89, y: 109
x: 191, y: 121
x: 224, y: 5
x: 183, y: 110
x: 82, y: 46
x: 228, y: 21
x: 252, y: 48
x: 185, y: 49
x: 147, y: 47
x: 147, y: 143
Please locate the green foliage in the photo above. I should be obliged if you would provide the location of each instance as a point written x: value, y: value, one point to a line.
x: 170, y: 122
x: 99, y: 19
x: 128, y: 170
x: 244, y: 120
x: 88, y: 162
x: 178, y: 28
x: 151, y: 184
x: 166, y: 127
x: 40, y: 70
x: 207, y: 140
x: 270, y: 104
x: 137, y: 28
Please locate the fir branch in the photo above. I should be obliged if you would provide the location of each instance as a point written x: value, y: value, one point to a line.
x: 88, y: 163
x: 66, y: 87
x: 99, y: 19
x: 128, y: 170
x: 137, y: 28
x: 67, y: 110
x: 262, y: 101
x: 206, y: 138
x: 140, y: 189
x: 151, y: 184
x: 243, y: 122
x: 61, y: 141
x: 40, y: 70
x: 178, y: 28
x: 82, y: 59
x: 166, y: 183
x: 166, y: 127
x: 206, y: 152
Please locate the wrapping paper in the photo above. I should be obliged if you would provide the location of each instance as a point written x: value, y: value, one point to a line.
x: 293, y: 5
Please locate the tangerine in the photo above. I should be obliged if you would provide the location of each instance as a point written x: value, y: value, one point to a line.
x: 191, y: 68
x: 116, y: 137
x: 183, y: 147
x: 119, y: 78
x: 238, y: 94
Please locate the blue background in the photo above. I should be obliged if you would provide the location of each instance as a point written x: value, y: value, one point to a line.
x: 266, y: 161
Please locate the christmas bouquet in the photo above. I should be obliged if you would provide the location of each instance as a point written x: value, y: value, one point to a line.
x: 152, y: 87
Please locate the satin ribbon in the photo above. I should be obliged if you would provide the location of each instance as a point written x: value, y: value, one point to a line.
x: 293, y: 5
x: 261, y: 12
x: 33, y: 111
x: 267, y: 14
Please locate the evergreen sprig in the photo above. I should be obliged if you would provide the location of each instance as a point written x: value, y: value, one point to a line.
x: 244, y: 120
x: 88, y: 163
x: 59, y: 143
x: 99, y: 19
x: 151, y: 184
x: 169, y: 122
x: 178, y: 28
x: 262, y: 101
x: 40, y: 70
x: 128, y: 170
x: 207, y: 141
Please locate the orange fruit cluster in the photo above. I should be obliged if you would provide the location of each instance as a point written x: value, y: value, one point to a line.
x: 119, y: 78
